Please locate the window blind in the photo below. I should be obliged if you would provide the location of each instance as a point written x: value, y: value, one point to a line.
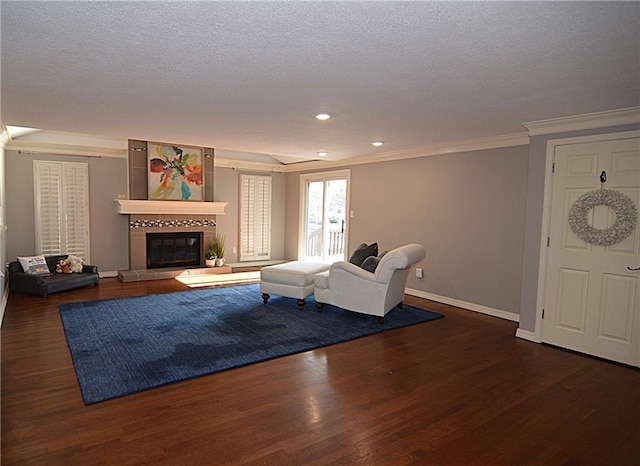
x: 255, y: 217
x: 62, y: 208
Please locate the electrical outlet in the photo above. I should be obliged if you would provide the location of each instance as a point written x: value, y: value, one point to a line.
x: 122, y: 196
x: 418, y: 273
x: 235, y: 250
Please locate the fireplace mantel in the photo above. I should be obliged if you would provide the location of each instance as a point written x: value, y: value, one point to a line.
x: 129, y: 206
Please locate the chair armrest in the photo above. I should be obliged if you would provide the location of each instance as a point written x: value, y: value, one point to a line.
x: 24, y: 277
x: 15, y: 267
x: 346, y: 270
x: 22, y: 282
x: 89, y: 268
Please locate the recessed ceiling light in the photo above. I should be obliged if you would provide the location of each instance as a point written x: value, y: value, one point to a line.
x: 377, y: 143
x: 323, y: 116
x: 322, y: 154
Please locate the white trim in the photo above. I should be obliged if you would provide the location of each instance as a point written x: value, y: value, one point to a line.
x: 470, y: 145
x: 131, y: 206
x: 32, y: 148
x: 247, y: 165
x: 5, y: 137
x: 546, y: 225
x: 464, y: 305
x: 303, y: 204
x: 56, y: 142
x: 546, y: 210
x: 61, y: 143
x: 619, y: 117
x: 526, y: 335
x: 108, y: 274
x: 595, y: 138
x: 494, y: 142
x: 5, y: 299
x: 327, y: 176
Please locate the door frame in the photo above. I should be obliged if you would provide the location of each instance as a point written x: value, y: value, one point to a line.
x: 552, y: 144
x: 322, y: 176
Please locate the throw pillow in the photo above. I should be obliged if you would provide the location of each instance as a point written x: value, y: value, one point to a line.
x: 362, y: 252
x: 356, y: 251
x: 371, y: 263
x: 34, y: 265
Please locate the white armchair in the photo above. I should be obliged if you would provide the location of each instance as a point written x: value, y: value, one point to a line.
x: 350, y: 287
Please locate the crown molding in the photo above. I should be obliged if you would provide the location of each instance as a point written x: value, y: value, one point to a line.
x: 624, y: 116
x: 63, y: 149
x: 494, y: 142
x: 51, y: 142
x: 61, y: 143
x: 247, y: 165
x: 5, y: 137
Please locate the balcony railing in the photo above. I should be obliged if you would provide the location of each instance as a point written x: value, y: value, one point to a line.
x: 335, y: 246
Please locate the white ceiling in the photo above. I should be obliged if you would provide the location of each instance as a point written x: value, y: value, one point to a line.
x: 249, y: 76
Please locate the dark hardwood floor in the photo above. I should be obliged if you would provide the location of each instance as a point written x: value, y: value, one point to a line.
x: 459, y: 390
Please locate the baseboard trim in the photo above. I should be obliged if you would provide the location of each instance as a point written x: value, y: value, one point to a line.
x: 3, y: 304
x: 108, y: 274
x: 527, y: 335
x: 464, y: 305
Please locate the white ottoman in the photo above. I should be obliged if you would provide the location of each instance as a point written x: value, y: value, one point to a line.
x: 291, y: 280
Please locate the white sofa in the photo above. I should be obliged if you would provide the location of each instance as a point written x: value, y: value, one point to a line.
x: 350, y: 287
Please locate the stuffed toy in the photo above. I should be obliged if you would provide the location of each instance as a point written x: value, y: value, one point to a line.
x: 72, y: 264
x: 76, y: 263
x: 63, y: 266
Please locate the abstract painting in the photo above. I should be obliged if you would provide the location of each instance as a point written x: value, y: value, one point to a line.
x: 175, y: 172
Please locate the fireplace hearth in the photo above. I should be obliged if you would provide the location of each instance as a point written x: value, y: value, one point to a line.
x: 176, y: 249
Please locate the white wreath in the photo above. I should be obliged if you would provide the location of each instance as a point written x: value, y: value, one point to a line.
x: 624, y: 224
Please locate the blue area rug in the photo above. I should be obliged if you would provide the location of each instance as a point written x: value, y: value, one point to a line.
x: 127, y: 345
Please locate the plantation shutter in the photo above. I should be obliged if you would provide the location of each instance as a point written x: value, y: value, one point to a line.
x: 62, y: 208
x: 255, y: 217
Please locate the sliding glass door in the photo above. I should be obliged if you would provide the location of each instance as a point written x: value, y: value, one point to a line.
x: 324, y: 218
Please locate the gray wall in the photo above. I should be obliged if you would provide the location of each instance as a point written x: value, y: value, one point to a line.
x: 467, y: 209
x: 109, y: 230
x: 479, y: 214
x: 227, y: 182
x: 533, y: 222
x: 3, y: 234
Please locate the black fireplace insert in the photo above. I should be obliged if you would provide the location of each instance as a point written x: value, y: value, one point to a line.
x: 174, y: 249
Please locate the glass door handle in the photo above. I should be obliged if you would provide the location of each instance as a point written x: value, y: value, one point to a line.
x: 633, y: 269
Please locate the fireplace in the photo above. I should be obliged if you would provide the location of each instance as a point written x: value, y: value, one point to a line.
x: 177, y: 249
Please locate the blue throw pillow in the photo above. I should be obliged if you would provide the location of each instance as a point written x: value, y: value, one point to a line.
x: 362, y: 252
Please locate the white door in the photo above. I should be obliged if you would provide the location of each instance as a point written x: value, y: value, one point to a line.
x: 592, y: 294
x: 324, y: 215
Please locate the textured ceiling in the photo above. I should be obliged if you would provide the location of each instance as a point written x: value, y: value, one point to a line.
x: 249, y: 76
